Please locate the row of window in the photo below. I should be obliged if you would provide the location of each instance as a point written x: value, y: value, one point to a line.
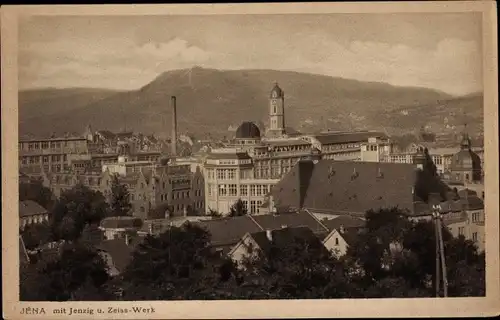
x: 43, y: 159
x: 228, y: 174
x: 44, y: 145
x: 461, y: 232
x: 340, y: 146
x: 254, y: 206
x: 244, y: 190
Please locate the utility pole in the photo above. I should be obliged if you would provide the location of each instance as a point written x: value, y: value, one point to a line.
x: 437, y: 274
x: 440, y: 251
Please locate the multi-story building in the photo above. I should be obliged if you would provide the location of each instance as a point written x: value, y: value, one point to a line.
x: 229, y: 176
x: 49, y: 155
x: 249, y: 165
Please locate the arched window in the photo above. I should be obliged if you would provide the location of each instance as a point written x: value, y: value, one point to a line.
x: 466, y: 176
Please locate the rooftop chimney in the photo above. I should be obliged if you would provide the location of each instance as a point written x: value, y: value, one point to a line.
x: 269, y: 235
x: 173, y: 104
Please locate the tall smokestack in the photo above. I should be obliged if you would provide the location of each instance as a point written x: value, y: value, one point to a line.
x: 173, y: 104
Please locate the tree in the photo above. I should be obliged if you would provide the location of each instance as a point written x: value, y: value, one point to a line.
x: 177, y: 264
x: 75, y: 209
x: 35, y: 191
x: 120, y: 198
x: 214, y: 213
x: 301, y: 269
x: 410, y: 271
x: 238, y: 209
x: 428, y: 180
x: 61, y: 277
x: 35, y: 235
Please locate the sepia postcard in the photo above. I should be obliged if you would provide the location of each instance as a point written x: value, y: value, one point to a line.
x: 273, y: 160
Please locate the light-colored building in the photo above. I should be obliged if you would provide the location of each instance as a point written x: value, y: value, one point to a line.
x: 229, y: 176
x: 30, y: 213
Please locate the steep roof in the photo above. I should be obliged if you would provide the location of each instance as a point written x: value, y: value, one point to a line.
x: 290, y: 220
x: 346, y: 187
x: 248, y: 130
x: 227, y: 231
x: 346, y: 137
x: 283, y: 237
x: 346, y: 222
x: 30, y: 208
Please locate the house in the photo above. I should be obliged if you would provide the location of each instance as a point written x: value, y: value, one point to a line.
x: 119, y: 227
x: 339, y: 240
x: 344, y: 187
x: 30, y: 212
x: 226, y: 232
x: 251, y: 243
x: 344, y: 232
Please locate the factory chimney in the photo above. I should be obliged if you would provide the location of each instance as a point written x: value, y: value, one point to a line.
x: 173, y: 104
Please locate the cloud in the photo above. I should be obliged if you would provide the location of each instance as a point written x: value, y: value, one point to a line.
x: 79, y: 61
x: 452, y: 65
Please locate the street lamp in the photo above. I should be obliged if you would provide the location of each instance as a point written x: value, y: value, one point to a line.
x: 436, y: 214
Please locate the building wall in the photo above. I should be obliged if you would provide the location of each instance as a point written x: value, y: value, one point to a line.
x: 241, y: 250
x: 471, y: 229
x: 49, y: 155
x: 336, y: 244
x: 34, y: 219
x: 225, y: 184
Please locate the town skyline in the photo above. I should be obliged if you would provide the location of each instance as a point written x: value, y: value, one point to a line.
x: 125, y: 53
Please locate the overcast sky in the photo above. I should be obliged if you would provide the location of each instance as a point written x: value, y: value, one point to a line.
x: 440, y: 51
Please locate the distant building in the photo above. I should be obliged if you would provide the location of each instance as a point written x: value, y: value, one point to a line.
x: 50, y: 154
x: 229, y: 176
x: 119, y: 227
x: 463, y: 213
x: 30, y: 213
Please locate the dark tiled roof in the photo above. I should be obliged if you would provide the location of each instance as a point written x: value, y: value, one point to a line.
x: 227, y: 231
x: 346, y: 137
x: 350, y: 235
x: 345, y: 221
x: 283, y: 237
x: 346, y: 187
x: 121, y: 222
x: 290, y: 220
x: 29, y: 208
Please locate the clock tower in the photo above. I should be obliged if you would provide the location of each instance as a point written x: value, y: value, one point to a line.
x: 276, y: 112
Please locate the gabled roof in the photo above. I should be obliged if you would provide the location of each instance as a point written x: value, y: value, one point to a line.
x: 30, y: 208
x: 290, y: 220
x: 344, y: 221
x: 228, y: 231
x: 346, y: 187
x: 283, y: 237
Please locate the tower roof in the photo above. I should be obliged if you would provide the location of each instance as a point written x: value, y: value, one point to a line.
x: 276, y: 92
x: 248, y: 130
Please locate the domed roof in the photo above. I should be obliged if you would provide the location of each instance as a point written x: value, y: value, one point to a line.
x: 465, y: 160
x: 276, y: 92
x: 248, y: 130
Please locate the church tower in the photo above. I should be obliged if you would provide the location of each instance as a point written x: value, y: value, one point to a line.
x: 276, y: 112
